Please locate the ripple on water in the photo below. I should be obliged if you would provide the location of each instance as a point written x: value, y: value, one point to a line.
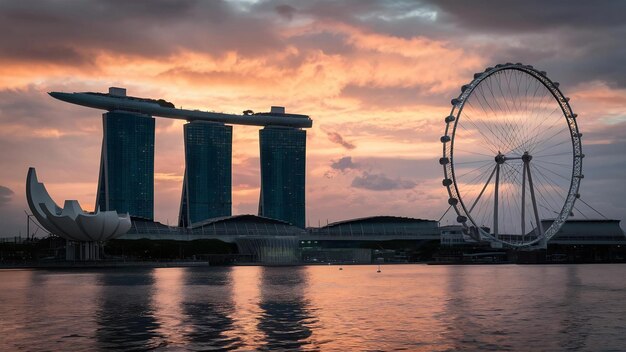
x: 404, y: 308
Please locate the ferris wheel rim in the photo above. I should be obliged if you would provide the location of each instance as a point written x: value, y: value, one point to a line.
x: 450, y: 180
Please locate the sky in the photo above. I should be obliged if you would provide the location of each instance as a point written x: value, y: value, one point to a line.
x: 376, y: 77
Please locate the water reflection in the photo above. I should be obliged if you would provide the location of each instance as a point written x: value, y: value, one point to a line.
x: 415, y: 308
x: 285, y: 320
x: 126, y: 314
x: 575, y: 315
x: 168, y: 295
x: 461, y: 327
x: 209, y: 309
x: 58, y: 307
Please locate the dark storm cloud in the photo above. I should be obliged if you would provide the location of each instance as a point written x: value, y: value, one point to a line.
x: 577, y: 41
x: 72, y: 32
x: 380, y: 182
x: 335, y: 137
x: 285, y: 11
x: 532, y: 15
x: 6, y: 194
x: 344, y: 164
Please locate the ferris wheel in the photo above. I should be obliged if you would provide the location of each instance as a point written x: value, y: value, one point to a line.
x: 512, y: 156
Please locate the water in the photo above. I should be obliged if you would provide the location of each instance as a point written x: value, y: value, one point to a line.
x: 405, y: 307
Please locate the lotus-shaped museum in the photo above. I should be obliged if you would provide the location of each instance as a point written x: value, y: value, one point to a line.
x: 72, y: 222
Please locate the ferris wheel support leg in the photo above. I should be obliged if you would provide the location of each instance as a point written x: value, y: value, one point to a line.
x: 524, y: 200
x: 534, y: 200
x: 483, y: 190
x: 541, y: 244
x: 495, y: 203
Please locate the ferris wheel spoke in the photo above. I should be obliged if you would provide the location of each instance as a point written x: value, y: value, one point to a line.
x: 552, y: 172
x: 476, y: 153
x: 518, y: 120
x: 531, y: 107
x: 486, y: 140
x: 489, y: 86
x: 542, y: 144
x: 552, y: 155
x: 474, y: 170
x: 537, y: 131
x: 550, y: 182
x: 510, y: 90
x: 497, y: 124
x: 556, y: 164
x: 554, y: 203
x: 476, y: 180
x: 509, y: 128
x: 480, y: 93
x: 471, y: 162
x: 502, y: 95
x: 541, y: 133
x: 554, y: 145
x: 509, y: 198
x: 538, y: 109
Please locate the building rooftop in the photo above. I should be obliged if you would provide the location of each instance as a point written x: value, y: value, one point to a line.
x: 378, y: 219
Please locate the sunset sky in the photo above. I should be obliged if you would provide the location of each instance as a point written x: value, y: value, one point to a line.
x: 376, y: 78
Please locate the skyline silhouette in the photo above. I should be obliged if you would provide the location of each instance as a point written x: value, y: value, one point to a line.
x: 376, y: 77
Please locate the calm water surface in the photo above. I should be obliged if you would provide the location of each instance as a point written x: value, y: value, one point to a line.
x: 317, y: 308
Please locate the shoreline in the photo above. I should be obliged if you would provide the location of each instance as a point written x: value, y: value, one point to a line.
x: 206, y: 264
